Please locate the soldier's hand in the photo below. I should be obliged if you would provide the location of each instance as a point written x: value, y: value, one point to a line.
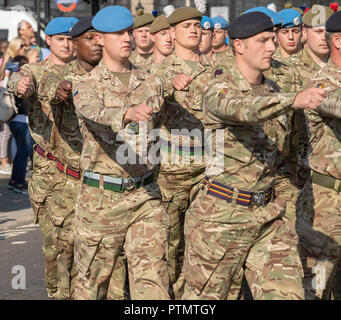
x: 310, y: 98
x: 63, y: 90
x: 23, y: 85
x: 141, y: 112
x: 181, y: 81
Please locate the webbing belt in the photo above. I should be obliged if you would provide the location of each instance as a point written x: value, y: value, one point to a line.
x: 61, y: 167
x: 244, y: 198
x: 326, y: 181
x: 117, y: 184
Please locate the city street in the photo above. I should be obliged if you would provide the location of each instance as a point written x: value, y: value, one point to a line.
x: 22, y: 265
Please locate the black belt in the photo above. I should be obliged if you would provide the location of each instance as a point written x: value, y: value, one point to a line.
x: 244, y: 198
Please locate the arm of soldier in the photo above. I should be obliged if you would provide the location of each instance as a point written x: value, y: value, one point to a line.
x: 23, y: 79
x: 331, y: 106
x: 230, y: 106
x: 92, y: 107
x: 47, y: 90
x: 166, y: 75
x: 287, y: 166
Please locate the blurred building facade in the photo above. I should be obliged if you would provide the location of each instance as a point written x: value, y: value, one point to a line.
x: 84, y: 7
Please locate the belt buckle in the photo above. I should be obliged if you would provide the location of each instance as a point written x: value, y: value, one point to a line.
x: 258, y: 199
x: 130, y: 184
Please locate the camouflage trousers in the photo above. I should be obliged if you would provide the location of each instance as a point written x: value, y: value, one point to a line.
x: 178, y: 190
x: 62, y: 212
x: 224, y: 240
x: 319, y: 229
x: 107, y: 222
x: 40, y: 191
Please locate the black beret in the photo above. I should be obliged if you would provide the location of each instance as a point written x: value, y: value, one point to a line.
x: 249, y: 24
x: 81, y: 26
x: 333, y: 24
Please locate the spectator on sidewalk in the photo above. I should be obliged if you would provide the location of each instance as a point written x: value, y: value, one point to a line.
x: 23, y: 140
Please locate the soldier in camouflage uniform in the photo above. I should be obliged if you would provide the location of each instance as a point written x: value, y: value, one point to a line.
x: 238, y: 219
x: 220, y: 49
x: 323, y: 247
x: 27, y: 84
x: 184, y: 80
x: 163, y: 42
x: 142, y: 56
x: 119, y: 205
x: 56, y: 90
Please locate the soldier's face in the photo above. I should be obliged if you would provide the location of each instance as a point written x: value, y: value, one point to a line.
x: 61, y: 47
x: 88, y: 48
x: 290, y: 39
x: 163, y: 42
x: 205, y: 45
x: 219, y: 36
x: 116, y: 45
x: 257, y: 51
x: 187, y: 34
x: 142, y: 38
x: 316, y: 40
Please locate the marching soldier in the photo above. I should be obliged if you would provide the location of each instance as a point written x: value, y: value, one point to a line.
x: 220, y: 48
x: 56, y: 90
x: 142, y: 56
x: 27, y: 84
x: 184, y: 74
x: 322, y: 247
x: 119, y: 206
x: 238, y: 219
x: 163, y: 42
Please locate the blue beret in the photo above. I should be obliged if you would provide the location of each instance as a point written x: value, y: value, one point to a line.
x: 249, y: 24
x: 60, y: 25
x: 333, y: 24
x: 290, y: 18
x: 81, y: 26
x: 207, y: 23
x: 113, y: 19
x: 219, y: 22
x: 276, y: 19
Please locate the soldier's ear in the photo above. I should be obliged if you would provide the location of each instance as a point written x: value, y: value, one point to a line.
x: 239, y: 46
x: 172, y: 32
x: 336, y: 40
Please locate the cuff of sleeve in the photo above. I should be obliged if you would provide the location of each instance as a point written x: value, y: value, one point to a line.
x: 118, y: 123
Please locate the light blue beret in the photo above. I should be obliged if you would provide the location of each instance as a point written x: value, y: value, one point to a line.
x: 207, y: 23
x: 291, y: 18
x: 60, y: 25
x: 276, y: 18
x: 113, y: 19
x: 219, y: 22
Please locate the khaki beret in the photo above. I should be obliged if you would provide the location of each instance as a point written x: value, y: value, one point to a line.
x: 143, y: 19
x: 160, y: 23
x: 317, y: 16
x: 183, y: 14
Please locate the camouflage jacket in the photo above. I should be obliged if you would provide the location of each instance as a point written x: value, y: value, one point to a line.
x: 223, y: 57
x: 255, y: 137
x: 68, y: 138
x: 140, y: 61
x: 40, y: 117
x: 304, y: 65
x: 182, y: 127
x: 109, y: 146
x: 324, y: 125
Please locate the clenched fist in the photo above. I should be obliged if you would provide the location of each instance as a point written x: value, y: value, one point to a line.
x: 141, y: 112
x: 23, y: 85
x: 309, y: 99
x: 181, y: 81
x: 64, y: 90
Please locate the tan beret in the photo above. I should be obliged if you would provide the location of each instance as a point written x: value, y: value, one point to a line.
x: 183, y: 14
x: 317, y: 16
x: 160, y: 23
x: 143, y: 19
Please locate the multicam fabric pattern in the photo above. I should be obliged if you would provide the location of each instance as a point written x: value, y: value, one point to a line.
x: 143, y: 62
x: 101, y: 102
